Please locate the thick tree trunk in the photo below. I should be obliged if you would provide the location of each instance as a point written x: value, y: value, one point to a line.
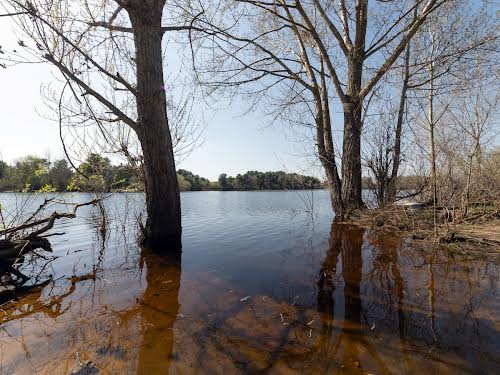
x: 351, y: 158
x: 352, y: 105
x: 163, y: 225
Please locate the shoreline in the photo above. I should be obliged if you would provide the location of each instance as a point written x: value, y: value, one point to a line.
x: 477, y: 231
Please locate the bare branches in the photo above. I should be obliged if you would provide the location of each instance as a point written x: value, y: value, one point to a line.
x: 418, y: 21
x: 344, y: 42
x: 110, y: 26
x: 88, y: 90
x: 13, y: 14
x: 323, y: 50
x: 47, y: 222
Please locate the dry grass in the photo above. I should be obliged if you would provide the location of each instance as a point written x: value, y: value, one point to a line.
x: 481, y: 227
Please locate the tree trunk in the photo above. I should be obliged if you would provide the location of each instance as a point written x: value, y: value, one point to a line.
x: 326, y: 147
x: 351, y: 147
x: 327, y: 158
x: 432, y: 147
x: 163, y: 225
x: 351, y: 158
x: 467, y: 186
x: 391, y: 185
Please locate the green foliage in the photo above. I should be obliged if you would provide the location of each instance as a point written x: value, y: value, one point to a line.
x: 254, y: 180
x: 197, y: 183
x: 125, y: 176
x: 60, y: 175
x: 47, y: 189
x: 32, y: 173
x: 184, y: 184
x: 73, y: 186
x: 95, y: 182
x: 3, y: 169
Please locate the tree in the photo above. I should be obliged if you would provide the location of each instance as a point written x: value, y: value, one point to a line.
x: 3, y: 169
x: 223, y: 182
x: 459, y: 41
x: 184, y: 184
x: 6, y: 182
x: 309, y: 50
x: 126, y: 177
x: 31, y: 173
x: 112, y: 70
x: 60, y: 175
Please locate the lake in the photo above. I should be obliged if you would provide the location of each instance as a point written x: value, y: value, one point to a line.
x: 265, y: 284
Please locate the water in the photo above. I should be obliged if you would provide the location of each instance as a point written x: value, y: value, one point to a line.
x: 265, y: 284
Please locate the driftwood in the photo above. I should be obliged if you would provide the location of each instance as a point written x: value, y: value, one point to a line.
x: 29, y: 236
x: 12, y: 249
x: 48, y: 221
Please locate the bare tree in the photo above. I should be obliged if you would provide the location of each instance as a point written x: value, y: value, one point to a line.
x: 110, y: 55
x: 442, y: 51
x: 470, y: 131
x: 458, y: 43
x: 305, y: 52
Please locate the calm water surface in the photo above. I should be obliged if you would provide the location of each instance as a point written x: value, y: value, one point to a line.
x: 265, y: 284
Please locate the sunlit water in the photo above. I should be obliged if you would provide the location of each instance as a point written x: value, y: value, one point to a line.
x: 265, y: 284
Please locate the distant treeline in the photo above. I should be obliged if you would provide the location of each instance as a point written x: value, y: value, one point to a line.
x: 96, y: 173
x: 254, y: 180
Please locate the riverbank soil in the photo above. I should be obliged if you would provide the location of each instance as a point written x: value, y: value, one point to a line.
x: 479, y: 229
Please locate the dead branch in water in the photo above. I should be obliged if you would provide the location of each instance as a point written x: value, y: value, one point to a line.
x: 48, y: 221
x: 28, y: 237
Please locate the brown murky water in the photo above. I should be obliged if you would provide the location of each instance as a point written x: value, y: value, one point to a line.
x: 287, y: 297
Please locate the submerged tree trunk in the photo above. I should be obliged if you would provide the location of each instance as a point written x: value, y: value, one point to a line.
x: 163, y: 226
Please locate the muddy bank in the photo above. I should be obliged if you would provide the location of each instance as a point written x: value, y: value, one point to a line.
x: 480, y: 229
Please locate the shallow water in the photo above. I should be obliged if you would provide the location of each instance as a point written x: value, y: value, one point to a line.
x: 265, y: 284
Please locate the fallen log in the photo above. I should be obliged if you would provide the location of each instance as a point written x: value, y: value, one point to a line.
x: 12, y: 249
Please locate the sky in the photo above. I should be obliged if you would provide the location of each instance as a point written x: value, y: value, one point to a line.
x: 233, y: 141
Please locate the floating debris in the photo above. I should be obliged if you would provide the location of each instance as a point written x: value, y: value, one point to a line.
x: 372, y: 327
x: 244, y: 299
x: 311, y: 322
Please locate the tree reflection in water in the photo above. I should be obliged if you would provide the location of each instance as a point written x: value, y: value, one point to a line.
x: 378, y: 304
x: 159, y: 309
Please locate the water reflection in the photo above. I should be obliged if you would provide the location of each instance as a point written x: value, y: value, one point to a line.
x: 159, y: 309
x: 291, y: 299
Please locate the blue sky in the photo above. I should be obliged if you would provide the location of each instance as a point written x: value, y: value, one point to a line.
x: 234, y: 142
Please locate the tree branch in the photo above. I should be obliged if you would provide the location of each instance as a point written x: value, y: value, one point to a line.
x: 332, y: 28
x: 92, y: 92
x: 400, y: 48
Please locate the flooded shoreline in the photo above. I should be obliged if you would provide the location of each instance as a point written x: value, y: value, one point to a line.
x: 261, y: 287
